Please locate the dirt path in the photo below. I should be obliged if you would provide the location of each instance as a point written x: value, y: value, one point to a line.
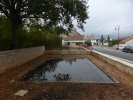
x: 66, y: 91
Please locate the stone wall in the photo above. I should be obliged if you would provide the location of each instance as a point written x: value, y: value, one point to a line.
x: 67, y: 52
x: 13, y: 58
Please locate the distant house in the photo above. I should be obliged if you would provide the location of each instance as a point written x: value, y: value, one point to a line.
x: 126, y: 42
x: 92, y: 39
x: 105, y: 43
x: 98, y: 42
x: 73, y: 41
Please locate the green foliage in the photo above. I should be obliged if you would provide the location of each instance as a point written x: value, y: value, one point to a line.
x: 5, y: 36
x: 49, y: 38
x: 108, y: 39
x: 88, y: 43
x: 102, y: 39
x: 39, y: 36
x: 59, y: 11
x: 55, y: 13
x: 113, y: 42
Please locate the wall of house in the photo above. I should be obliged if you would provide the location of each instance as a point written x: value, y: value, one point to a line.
x: 121, y: 46
x: 76, y: 45
x: 73, y: 44
x: 105, y: 44
x: 129, y: 43
x: 63, y: 43
x: 13, y: 58
x: 93, y: 42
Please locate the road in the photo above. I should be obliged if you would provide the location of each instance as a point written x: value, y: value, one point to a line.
x: 116, y: 53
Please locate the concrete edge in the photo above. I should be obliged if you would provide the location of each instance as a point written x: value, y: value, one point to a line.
x: 121, y: 64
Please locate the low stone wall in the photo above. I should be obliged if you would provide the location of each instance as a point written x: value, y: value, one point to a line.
x: 67, y: 52
x: 13, y: 58
x: 122, y: 64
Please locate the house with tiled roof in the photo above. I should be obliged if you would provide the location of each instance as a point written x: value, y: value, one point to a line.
x: 73, y: 41
x: 126, y: 42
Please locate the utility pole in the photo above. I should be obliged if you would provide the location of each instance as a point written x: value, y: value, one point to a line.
x: 118, y: 29
x: 118, y: 36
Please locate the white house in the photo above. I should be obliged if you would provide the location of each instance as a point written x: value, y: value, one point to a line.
x: 126, y: 42
x: 93, y: 40
x: 75, y: 41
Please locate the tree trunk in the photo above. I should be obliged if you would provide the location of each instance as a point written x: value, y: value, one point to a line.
x: 14, y: 27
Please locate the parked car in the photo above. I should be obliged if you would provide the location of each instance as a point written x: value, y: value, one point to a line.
x: 128, y: 49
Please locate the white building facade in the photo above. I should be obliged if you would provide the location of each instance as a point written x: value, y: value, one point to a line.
x: 126, y: 42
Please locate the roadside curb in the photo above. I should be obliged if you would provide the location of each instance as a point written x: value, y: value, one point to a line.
x: 123, y: 65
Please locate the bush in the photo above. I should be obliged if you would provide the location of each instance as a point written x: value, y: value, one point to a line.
x: 113, y: 42
x: 32, y: 39
x: 5, y: 35
x: 49, y: 38
x: 88, y: 43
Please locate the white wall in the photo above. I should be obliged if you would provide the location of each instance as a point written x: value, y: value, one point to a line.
x: 129, y: 43
x: 93, y: 42
x: 106, y: 44
x: 121, y: 46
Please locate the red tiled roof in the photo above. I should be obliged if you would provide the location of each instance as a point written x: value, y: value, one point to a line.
x: 74, y: 38
x: 126, y: 39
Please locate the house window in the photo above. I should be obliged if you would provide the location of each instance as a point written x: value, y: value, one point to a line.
x: 77, y: 43
x: 68, y: 43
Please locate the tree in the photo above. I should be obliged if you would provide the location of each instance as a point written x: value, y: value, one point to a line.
x: 113, y: 42
x: 5, y: 36
x: 88, y: 43
x: 102, y: 39
x: 108, y: 39
x: 55, y: 13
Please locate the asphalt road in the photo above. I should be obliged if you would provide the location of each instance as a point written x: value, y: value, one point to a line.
x: 116, y: 53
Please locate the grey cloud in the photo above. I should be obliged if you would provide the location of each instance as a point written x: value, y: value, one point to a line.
x: 105, y: 15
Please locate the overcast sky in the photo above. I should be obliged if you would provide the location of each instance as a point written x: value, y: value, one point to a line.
x: 105, y: 15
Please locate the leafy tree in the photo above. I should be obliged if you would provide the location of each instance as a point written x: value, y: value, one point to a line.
x: 48, y: 37
x: 88, y: 43
x: 54, y: 13
x: 108, y: 38
x: 102, y: 39
x: 38, y: 38
x: 113, y: 42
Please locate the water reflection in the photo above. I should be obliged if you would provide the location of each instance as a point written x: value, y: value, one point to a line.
x: 49, y: 66
x: 68, y: 70
x: 62, y: 77
x: 70, y: 60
